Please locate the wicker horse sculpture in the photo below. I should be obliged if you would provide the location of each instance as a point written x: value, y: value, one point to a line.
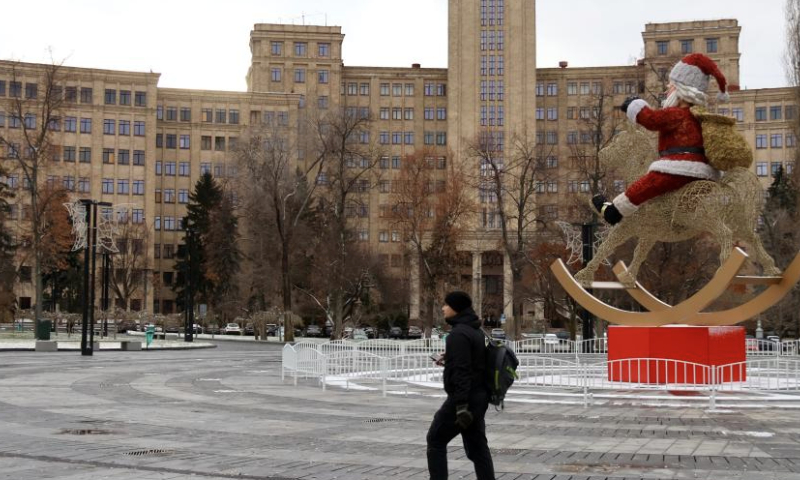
x: 728, y: 210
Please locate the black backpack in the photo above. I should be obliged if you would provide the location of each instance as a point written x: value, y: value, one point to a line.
x: 501, y: 370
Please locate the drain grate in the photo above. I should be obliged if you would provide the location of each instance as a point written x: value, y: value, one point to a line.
x: 381, y: 420
x: 507, y: 451
x: 86, y: 431
x: 150, y: 452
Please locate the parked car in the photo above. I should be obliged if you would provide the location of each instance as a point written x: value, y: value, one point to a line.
x: 533, y: 335
x: 498, y: 334
x: 395, y: 332
x: 232, y: 329
x: 359, y: 334
x: 197, y: 328
x: 313, y: 331
x: 562, y: 335
x: 414, y: 332
x: 551, y: 342
x: 272, y: 330
x: 172, y: 329
x: 249, y: 330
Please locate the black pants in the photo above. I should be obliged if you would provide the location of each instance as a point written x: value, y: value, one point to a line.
x: 444, y: 428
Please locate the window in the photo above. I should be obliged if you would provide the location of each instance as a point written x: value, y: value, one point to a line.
x: 441, y: 113
x: 109, y: 127
x: 761, y: 169
x: 124, y: 127
x: 384, y: 89
x: 70, y: 93
x: 711, y: 45
x: 776, y: 140
x: 123, y: 156
x: 322, y: 102
x: 183, y: 196
x: 397, y: 138
x: 169, y: 195
x: 383, y: 236
x: 183, y: 169
x: 86, y: 125
x: 157, y: 223
x: 324, y: 49
x: 761, y: 114
x: 408, y: 138
x: 205, y: 142
x: 300, y: 75
x: 159, y: 168
x: 138, y: 128
x: 138, y: 187
x: 276, y: 75
x: 110, y: 97
x: 775, y: 167
x: 205, y: 168
x: 552, y: 89
x: 383, y: 138
x: 123, y: 187
x: 141, y: 99
x: 207, y: 115
x: 322, y: 76
x: 85, y: 155
x: 552, y: 113
x: 395, y: 162
x: 761, y: 140
x: 68, y: 183
x: 408, y: 114
x: 572, y: 88
x: 124, y: 97
x: 172, y: 141
x: 169, y: 169
x: 108, y: 155
x: 662, y: 47
x: 108, y: 185
x: 276, y: 48
x: 222, y: 116
x: 138, y: 157
x: 186, y: 114
x: 397, y: 114
x: 185, y: 142
x: 428, y: 138
x: 687, y: 46
x: 441, y: 138
x: 300, y: 49
x: 219, y: 144
x: 791, y: 140
x: 2, y: 88
x: 397, y: 89
x: 86, y: 95
x: 540, y: 89
x: 738, y: 114
x: 137, y: 215
x: 83, y: 185
x: 364, y: 89
x: 409, y: 89
x: 69, y: 154
x: 775, y: 112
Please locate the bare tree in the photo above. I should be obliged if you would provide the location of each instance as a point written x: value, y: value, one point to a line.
x: 130, y: 264
x: 427, y: 206
x: 275, y: 196
x: 34, y: 110
x: 347, y: 159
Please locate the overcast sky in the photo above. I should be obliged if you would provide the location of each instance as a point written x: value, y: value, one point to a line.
x: 205, y: 43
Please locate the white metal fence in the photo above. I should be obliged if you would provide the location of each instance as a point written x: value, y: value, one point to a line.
x: 580, y: 367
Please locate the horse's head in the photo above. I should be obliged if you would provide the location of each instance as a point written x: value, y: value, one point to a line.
x: 629, y: 153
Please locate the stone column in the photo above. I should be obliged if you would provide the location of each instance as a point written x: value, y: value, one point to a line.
x: 413, y: 287
x: 508, y: 288
x: 477, y: 284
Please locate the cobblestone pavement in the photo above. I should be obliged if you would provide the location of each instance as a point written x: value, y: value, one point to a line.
x: 225, y: 413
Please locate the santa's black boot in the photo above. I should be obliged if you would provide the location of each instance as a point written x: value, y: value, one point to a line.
x: 607, y: 209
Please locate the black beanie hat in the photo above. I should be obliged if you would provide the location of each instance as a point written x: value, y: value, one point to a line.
x: 458, y: 301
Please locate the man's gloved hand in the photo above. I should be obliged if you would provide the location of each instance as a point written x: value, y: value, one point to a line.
x: 463, y: 416
x: 627, y: 103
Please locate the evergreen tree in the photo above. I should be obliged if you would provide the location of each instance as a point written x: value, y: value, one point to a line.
x: 222, y: 259
x: 7, y: 249
x: 190, y: 266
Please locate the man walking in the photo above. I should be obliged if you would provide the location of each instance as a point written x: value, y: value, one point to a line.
x: 467, y: 395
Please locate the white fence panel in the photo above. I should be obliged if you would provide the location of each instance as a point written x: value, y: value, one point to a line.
x: 418, y: 368
x: 288, y: 360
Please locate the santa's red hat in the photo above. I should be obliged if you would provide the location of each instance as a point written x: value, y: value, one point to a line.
x: 695, y: 70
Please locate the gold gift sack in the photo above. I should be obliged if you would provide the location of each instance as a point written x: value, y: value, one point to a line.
x: 725, y: 147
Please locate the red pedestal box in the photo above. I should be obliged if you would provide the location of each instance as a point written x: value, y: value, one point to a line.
x: 675, y: 354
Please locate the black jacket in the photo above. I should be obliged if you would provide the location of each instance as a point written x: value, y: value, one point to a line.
x: 465, y: 357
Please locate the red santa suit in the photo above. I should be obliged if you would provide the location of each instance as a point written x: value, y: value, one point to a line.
x: 681, y: 155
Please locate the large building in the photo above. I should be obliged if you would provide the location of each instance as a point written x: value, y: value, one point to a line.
x: 124, y: 140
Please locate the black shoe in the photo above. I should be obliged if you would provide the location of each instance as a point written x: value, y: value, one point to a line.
x: 598, y: 201
x: 611, y: 214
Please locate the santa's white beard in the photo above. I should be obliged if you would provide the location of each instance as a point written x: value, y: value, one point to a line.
x: 671, y: 100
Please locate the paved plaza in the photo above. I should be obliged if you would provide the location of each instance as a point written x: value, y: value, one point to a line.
x: 224, y: 413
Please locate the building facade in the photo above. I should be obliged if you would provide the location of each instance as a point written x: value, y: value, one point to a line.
x: 124, y: 140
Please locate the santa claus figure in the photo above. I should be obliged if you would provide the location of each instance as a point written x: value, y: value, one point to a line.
x: 680, y: 139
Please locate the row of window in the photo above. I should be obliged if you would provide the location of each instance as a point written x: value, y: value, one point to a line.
x: 492, y: 12
x: 492, y: 40
x: 207, y: 115
x: 166, y: 250
x: 168, y: 224
x: 407, y: 138
x: 71, y: 154
x: 136, y: 215
x: 764, y: 169
x: 430, y: 113
x: 72, y: 94
x: 775, y: 140
x: 492, y: 65
x: 492, y: 115
x: 300, y: 49
x: 121, y: 127
x: 687, y: 46
x: 168, y: 195
x: 124, y: 98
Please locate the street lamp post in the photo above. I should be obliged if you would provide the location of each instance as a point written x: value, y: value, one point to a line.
x: 89, y: 264
x: 587, y: 319
x: 188, y: 329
